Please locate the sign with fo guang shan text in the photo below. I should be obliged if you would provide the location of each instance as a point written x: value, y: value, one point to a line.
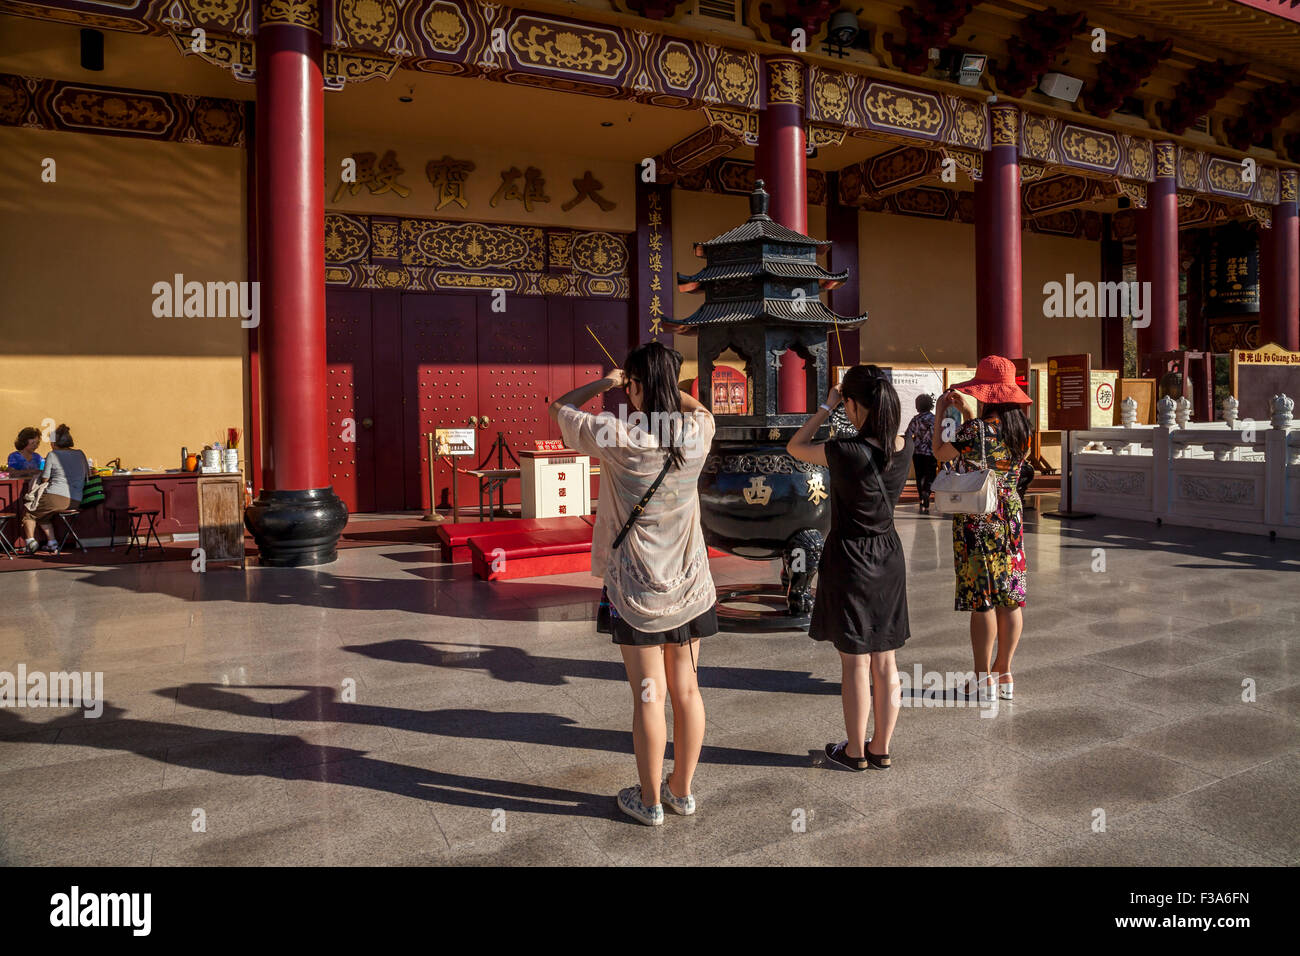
x: 1259, y: 374
x: 1069, y: 392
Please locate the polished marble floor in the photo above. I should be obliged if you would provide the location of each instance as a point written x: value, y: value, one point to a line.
x: 386, y: 709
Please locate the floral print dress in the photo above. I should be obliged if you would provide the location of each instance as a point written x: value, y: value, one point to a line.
x: 989, y: 550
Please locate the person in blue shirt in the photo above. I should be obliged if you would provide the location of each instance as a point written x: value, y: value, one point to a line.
x: 26, y: 458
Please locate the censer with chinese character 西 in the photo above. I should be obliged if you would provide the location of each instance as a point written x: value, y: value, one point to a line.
x: 762, y: 286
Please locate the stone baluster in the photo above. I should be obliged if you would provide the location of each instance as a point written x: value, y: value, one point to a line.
x: 1184, y: 411
x: 1282, y: 407
x: 1165, y: 412
x: 1128, y: 412
x: 1230, y: 406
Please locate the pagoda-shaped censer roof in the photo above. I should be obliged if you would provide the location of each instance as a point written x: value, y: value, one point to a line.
x: 762, y: 272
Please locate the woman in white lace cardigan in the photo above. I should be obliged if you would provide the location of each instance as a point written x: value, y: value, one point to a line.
x: 659, y: 598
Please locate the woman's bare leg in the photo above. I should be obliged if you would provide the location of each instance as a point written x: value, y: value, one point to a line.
x: 885, y: 706
x: 855, y: 694
x: 688, y: 713
x: 983, y: 632
x: 645, y: 674
x: 1010, y: 624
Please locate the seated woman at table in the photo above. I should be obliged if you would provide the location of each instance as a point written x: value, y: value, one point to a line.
x: 66, y: 470
x: 26, y: 458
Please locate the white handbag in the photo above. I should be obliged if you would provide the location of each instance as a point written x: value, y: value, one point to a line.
x: 968, y: 493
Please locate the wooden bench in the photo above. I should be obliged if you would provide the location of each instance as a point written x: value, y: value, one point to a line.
x: 528, y: 554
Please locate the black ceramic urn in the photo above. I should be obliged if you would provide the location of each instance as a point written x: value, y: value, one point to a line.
x: 762, y: 286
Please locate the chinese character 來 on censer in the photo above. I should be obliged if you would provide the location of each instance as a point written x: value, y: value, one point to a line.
x: 448, y: 176
x: 534, y: 189
x: 588, y: 187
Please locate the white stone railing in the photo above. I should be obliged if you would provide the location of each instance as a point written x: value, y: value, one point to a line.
x: 1233, y: 476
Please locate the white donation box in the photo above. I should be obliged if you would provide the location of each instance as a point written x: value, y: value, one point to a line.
x: 554, y: 483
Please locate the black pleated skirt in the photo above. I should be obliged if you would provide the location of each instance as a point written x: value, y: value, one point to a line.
x: 609, y: 622
x: 861, y: 601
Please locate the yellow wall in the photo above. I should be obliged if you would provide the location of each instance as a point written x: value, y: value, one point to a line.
x: 917, y: 282
x: 80, y: 342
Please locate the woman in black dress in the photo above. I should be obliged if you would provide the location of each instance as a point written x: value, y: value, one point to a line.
x: 861, y: 603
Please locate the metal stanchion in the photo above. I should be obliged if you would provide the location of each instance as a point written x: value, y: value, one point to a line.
x: 432, y: 514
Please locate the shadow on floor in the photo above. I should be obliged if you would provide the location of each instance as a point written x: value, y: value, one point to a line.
x: 516, y: 665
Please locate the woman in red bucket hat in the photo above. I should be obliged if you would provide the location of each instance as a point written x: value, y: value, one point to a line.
x: 989, y: 550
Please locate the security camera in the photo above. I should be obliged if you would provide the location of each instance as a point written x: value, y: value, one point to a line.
x: 843, y: 29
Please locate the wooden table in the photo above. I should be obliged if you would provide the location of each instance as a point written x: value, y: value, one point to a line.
x: 173, y: 494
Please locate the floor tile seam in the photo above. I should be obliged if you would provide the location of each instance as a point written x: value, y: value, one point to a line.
x: 1168, y: 811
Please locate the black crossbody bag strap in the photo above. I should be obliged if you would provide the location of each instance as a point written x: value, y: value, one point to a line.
x: 871, y: 460
x: 640, y: 505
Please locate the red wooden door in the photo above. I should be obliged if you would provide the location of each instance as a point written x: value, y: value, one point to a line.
x: 513, y: 377
x: 440, y: 388
x: 389, y: 430
x: 349, y: 380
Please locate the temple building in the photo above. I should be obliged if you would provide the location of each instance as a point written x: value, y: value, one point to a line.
x: 338, y: 225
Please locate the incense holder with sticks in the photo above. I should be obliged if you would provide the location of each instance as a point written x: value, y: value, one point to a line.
x: 762, y: 286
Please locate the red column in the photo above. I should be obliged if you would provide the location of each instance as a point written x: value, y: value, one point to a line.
x: 298, y: 520
x: 1112, y: 270
x: 998, y: 322
x: 290, y: 116
x: 782, y: 164
x: 1279, y: 314
x: 1158, y: 260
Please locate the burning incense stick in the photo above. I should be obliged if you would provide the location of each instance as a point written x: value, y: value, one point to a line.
x: 839, y: 343
x: 602, y: 348
x: 931, y: 364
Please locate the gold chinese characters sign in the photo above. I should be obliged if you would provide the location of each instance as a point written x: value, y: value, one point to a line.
x: 382, y: 180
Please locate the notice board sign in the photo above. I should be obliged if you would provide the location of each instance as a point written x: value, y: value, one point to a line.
x: 1259, y: 374
x: 1069, y: 392
x: 453, y: 441
x: 910, y: 383
x: 1142, y: 391
x: 1102, y: 384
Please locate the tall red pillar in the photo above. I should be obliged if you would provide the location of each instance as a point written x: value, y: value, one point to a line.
x: 998, y: 297
x: 1157, y: 261
x: 782, y: 164
x: 1279, y: 312
x: 297, y: 521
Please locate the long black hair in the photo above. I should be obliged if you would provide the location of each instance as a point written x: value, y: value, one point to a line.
x: 870, y: 389
x: 657, y: 368
x: 1015, y: 429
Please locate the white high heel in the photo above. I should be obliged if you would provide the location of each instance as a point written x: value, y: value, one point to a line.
x: 984, y: 689
x: 1007, y: 690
